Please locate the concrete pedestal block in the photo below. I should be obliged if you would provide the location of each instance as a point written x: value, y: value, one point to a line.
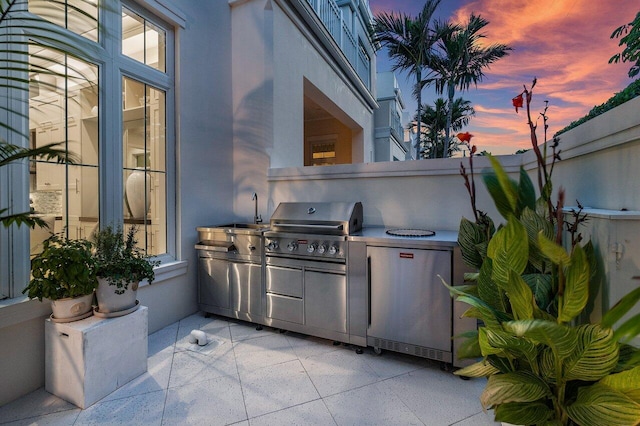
x: 87, y: 360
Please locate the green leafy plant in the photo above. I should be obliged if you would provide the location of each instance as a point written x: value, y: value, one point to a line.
x: 64, y: 268
x: 119, y: 260
x: 543, y: 366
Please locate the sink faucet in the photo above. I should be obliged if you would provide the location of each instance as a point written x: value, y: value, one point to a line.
x: 256, y: 217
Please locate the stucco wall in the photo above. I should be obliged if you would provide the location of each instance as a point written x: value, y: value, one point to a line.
x: 599, y: 168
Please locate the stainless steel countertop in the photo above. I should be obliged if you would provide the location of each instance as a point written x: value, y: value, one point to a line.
x: 378, y: 236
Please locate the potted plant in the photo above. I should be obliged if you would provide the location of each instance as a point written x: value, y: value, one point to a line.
x: 64, y: 272
x: 120, y: 266
x: 544, y: 366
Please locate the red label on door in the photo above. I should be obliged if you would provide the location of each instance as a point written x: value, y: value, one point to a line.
x: 406, y: 255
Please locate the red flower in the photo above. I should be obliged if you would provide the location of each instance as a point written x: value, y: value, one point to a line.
x: 518, y: 101
x: 464, y: 137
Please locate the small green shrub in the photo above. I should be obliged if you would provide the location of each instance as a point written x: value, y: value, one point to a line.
x: 118, y: 260
x: 64, y: 268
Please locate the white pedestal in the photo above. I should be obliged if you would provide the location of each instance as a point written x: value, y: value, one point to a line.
x: 87, y: 360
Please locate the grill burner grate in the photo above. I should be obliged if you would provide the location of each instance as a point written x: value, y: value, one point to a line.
x: 413, y: 233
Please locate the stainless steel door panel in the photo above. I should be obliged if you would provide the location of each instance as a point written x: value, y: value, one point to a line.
x: 246, y: 284
x: 287, y: 281
x: 285, y: 308
x: 214, y: 282
x: 409, y: 304
x: 325, y: 301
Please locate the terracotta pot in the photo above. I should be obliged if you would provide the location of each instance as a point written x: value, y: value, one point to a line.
x: 71, y: 308
x: 109, y: 301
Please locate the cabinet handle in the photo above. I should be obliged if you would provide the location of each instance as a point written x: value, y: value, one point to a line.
x: 369, y: 289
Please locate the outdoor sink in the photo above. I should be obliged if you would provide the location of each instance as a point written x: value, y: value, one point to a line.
x: 254, y: 226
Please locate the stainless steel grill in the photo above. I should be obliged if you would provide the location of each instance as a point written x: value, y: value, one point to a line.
x: 306, y: 267
x: 313, y: 230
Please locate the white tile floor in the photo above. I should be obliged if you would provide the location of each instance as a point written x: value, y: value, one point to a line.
x: 250, y: 377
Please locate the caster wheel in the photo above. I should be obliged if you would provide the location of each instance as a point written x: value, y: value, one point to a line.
x: 465, y: 377
x: 207, y: 315
x: 445, y: 367
x: 359, y: 351
x: 282, y: 331
x: 335, y: 343
x: 259, y: 328
x: 377, y: 351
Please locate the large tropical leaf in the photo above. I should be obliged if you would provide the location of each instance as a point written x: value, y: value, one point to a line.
x: 516, y: 347
x: 627, y: 382
x: 479, y: 369
x: 599, y: 405
x: 576, y: 287
x: 470, y: 235
x: 595, y: 355
x: 488, y: 290
x: 509, y: 251
x: 560, y: 338
x: 628, y: 330
x: 523, y: 413
x: 526, y: 193
x: 553, y: 251
x: 534, y: 224
x: 518, y: 386
x: 520, y: 297
x: 541, y: 286
x: 621, y: 308
x: 629, y: 357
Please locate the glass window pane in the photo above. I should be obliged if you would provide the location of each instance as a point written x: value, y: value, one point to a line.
x: 63, y: 107
x: 144, y: 160
x: 142, y: 40
x: 81, y: 15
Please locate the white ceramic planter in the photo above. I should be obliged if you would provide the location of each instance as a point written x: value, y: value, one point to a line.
x: 109, y: 301
x: 71, y: 308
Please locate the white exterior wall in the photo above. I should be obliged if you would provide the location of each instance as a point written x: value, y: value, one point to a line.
x: 273, y: 53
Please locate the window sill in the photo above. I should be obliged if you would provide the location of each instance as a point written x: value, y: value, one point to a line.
x: 21, y: 309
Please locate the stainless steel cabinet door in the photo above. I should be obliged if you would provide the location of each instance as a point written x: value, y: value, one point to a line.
x: 246, y: 288
x: 214, y: 282
x: 408, y: 302
x: 325, y: 300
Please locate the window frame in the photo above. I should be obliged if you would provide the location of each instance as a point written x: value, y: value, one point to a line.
x: 112, y: 66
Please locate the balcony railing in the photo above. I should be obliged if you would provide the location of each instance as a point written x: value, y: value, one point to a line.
x: 331, y: 16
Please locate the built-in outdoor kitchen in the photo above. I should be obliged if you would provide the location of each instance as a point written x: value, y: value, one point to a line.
x: 315, y: 269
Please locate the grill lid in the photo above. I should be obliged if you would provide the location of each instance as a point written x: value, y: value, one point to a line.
x: 334, y: 218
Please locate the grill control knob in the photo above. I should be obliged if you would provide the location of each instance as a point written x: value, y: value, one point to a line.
x: 333, y: 250
x: 273, y: 245
x: 312, y: 247
x: 322, y: 249
x: 292, y: 246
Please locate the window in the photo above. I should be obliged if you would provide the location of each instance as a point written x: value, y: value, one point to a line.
x: 112, y: 111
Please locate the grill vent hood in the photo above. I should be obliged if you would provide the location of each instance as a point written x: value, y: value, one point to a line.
x: 335, y: 218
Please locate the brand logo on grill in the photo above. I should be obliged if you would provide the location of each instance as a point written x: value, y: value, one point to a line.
x: 406, y: 255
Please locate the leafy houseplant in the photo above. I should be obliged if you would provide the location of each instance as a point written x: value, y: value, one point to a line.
x: 543, y: 366
x: 120, y: 265
x: 64, y: 269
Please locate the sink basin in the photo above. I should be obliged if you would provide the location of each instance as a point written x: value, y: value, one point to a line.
x: 254, y: 226
x: 223, y: 232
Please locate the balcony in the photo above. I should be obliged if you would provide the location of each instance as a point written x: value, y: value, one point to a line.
x: 331, y: 16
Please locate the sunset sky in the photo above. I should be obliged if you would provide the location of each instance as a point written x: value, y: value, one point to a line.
x: 564, y: 43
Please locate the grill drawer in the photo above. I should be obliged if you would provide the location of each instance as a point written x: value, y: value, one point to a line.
x: 286, y: 281
x: 285, y: 308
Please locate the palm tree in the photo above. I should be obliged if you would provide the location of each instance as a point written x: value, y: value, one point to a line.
x: 459, y: 60
x: 18, y: 32
x: 435, y: 119
x: 409, y: 42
